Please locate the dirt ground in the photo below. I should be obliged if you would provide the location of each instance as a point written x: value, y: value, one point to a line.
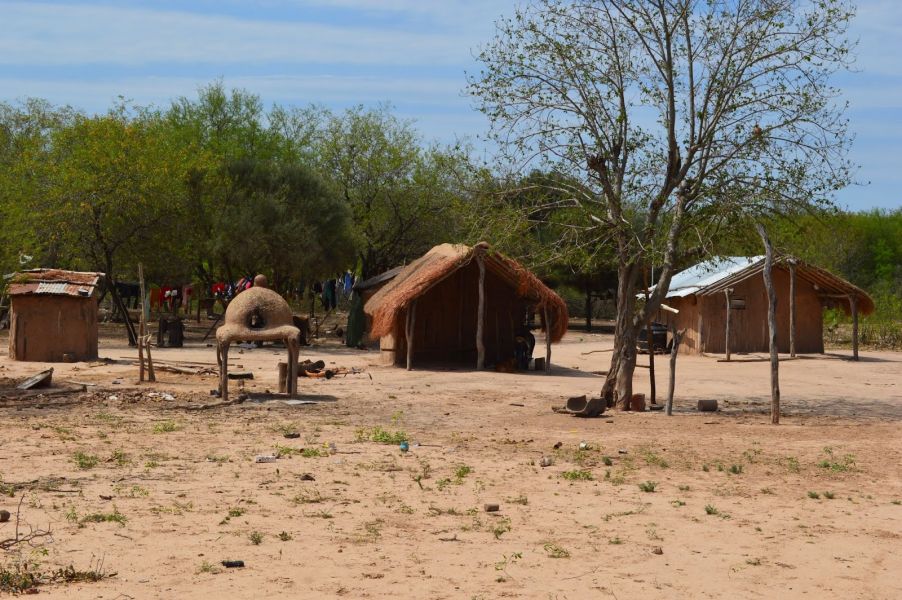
x: 734, y: 507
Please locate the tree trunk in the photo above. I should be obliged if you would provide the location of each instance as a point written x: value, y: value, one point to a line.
x: 618, y: 386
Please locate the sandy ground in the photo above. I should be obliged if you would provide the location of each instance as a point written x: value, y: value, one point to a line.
x: 732, y: 513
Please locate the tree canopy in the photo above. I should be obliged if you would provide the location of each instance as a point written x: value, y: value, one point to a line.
x: 674, y: 116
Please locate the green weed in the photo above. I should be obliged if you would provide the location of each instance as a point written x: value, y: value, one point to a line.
x: 555, y: 551
x: 85, y: 461
x: 577, y: 475
x: 648, y: 486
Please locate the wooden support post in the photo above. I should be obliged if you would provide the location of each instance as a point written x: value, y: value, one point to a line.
x: 726, y: 294
x: 141, y: 325
x: 224, y: 372
x: 151, y: 376
x: 293, y: 351
x: 853, y: 304
x: 480, y: 316
x: 651, y: 361
x: 674, y: 350
x: 588, y: 308
x: 409, y: 332
x: 772, y: 326
x: 792, y: 308
x: 650, y: 342
x: 283, y: 377
x: 547, y: 341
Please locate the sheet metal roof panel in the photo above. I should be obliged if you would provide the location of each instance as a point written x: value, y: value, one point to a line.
x: 51, y: 288
x: 54, y: 282
x: 708, y: 273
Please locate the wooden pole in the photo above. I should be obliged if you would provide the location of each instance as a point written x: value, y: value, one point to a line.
x: 408, y: 333
x: 293, y: 351
x: 674, y: 350
x: 480, y: 316
x: 588, y: 308
x: 726, y: 294
x: 151, y: 376
x: 649, y: 338
x: 142, y: 325
x: 792, y: 308
x: 547, y: 341
x: 853, y: 303
x: 283, y: 377
x: 224, y: 372
x: 772, y: 326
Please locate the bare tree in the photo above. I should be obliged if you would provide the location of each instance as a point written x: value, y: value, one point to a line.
x: 675, y: 116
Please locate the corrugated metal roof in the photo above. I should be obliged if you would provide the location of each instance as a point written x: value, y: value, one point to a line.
x: 714, y: 276
x: 54, y: 282
x: 702, y: 275
x: 51, y: 288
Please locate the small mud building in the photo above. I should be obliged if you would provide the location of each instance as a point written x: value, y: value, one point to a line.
x: 712, y: 293
x: 461, y: 305
x: 53, y: 315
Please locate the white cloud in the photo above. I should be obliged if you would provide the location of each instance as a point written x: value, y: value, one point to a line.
x: 46, y: 34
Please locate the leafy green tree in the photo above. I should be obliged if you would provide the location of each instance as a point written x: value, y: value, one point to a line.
x: 26, y: 133
x: 674, y: 115
x: 109, y: 191
x: 279, y: 219
x: 404, y: 198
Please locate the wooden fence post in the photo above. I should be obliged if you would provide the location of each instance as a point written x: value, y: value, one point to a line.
x: 772, y: 326
x: 674, y: 350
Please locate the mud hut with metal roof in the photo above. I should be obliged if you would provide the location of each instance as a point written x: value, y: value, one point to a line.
x: 722, y: 304
x: 460, y: 304
x: 53, y: 315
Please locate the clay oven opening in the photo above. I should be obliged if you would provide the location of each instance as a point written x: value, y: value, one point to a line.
x: 256, y: 320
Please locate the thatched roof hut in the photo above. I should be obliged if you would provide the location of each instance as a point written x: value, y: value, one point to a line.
x: 431, y: 309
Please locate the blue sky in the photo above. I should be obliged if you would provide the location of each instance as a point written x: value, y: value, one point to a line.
x: 411, y: 53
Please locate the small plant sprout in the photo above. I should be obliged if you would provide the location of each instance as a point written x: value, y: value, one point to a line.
x: 256, y: 538
x: 285, y: 536
x: 85, y: 461
x: 166, y: 427
x: 829, y: 495
x: 710, y: 510
x: 555, y: 551
x: 648, y: 486
x: 814, y: 495
x: 577, y: 475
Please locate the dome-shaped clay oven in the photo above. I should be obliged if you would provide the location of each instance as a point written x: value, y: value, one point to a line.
x: 257, y: 314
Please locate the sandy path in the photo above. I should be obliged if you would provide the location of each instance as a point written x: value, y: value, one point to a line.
x: 378, y: 523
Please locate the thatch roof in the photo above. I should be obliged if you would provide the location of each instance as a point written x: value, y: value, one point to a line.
x: 389, y: 303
